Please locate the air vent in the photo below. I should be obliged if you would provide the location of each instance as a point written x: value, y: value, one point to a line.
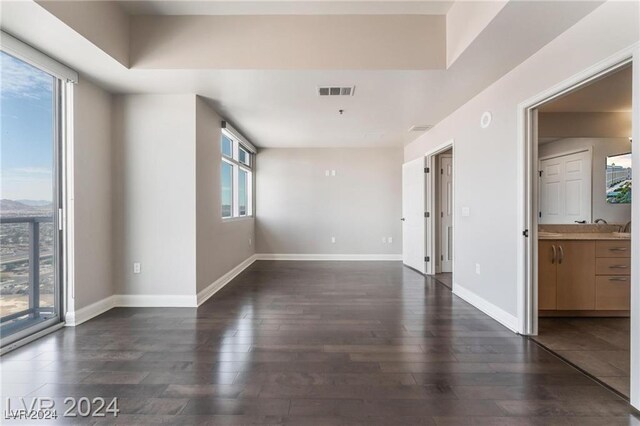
x: 336, y: 91
x: 421, y: 128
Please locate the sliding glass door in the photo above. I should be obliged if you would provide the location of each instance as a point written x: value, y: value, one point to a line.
x: 30, y: 297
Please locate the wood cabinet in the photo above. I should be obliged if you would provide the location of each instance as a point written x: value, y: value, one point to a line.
x: 583, y: 275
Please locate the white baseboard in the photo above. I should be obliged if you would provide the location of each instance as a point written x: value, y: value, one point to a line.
x: 498, y: 314
x: 156, y: 300
x: 72, y: 319
x: 350, y: 257
x: 214, y: 287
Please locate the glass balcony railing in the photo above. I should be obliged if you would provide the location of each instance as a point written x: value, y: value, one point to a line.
x: 27, y: 274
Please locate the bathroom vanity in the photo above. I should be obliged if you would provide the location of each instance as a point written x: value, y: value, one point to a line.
x: 583, y: 270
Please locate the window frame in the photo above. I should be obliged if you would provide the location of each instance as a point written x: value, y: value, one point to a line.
x: 237, y: 165
x: 63, y: 183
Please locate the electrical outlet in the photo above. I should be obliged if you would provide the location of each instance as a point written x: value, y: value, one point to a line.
x: 137, y: 267
x: 384, y: 240
x: 478, y: 268
x: 390, y: 240
x: 327, y: 173
x: 333, y: 172
x: 333, y: 240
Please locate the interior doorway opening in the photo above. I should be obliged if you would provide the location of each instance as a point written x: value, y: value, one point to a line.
x: 440, y: 209
x: 580, y: 179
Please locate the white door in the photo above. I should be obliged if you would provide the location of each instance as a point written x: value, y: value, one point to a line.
x: 565, y: 189
x: 446, y: 213
x: 413, y: 220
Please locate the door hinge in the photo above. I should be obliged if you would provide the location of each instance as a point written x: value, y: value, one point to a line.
x: 539, y: 214
x: 426, y: 170
x: 525, y: 233
x: 442, y: 257
x: 427, y: 259
x: 441, y: 171
x: 60, y: 219
x: 441, y: 214
x: 540, y: 173
x: 426, y: 214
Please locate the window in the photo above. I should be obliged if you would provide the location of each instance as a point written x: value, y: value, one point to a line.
x: 235, y: 177
x: 33, y: 100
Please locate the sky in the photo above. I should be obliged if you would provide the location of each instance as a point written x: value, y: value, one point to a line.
x: 26, y: 131
x: 620, y: 160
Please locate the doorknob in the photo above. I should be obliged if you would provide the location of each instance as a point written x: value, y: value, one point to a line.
x: 402, y: 219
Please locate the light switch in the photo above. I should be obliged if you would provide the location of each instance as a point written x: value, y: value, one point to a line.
x: 327, y: 173
x: 384, y: 240
x: 465, y: 211
x: 136, y: 267
x: 333, y: 172
x: 478, y: 268
x: 390, y: 240
x: 333, y: 240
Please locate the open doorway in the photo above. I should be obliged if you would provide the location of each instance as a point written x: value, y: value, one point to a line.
x: 440, y: 213
x: 582, y: 247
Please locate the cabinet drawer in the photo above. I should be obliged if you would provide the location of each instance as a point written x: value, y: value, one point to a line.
x: 613, y: 293
x: 613, y: 266
x: 613, y: 249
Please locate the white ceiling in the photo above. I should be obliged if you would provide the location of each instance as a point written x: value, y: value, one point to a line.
x: 286, y: 7
x: 276, y: 108
x: 611, y: 93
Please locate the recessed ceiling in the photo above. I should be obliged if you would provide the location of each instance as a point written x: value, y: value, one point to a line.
x: 277, y: 107
x: 287, y: 7
x: 611, y: 93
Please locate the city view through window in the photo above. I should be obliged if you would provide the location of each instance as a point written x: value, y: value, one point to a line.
x: 26, y: 193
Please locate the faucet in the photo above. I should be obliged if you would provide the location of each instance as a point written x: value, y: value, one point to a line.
x: 600, y: 220
x: 626, y: 227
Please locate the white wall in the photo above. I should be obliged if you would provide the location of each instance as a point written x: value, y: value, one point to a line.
x: 299, y: 209
x: 221, y: 245
x: 155, y: 194
x: 612, y: 213
x: 93, y: 236
x: 584, y: 124
x: 486, y: 162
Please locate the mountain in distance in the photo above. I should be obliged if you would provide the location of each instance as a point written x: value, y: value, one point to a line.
x: 23, y: 207
x: 35, y: 203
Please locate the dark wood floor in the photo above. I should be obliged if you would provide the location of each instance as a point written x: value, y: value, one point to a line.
x: 599, y: 346
x: 319, y: 343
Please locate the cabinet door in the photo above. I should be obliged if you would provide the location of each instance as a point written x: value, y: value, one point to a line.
x: 576, y: 275
x: 547, y: 269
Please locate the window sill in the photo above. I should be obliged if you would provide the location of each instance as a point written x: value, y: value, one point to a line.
x: 237, y: 219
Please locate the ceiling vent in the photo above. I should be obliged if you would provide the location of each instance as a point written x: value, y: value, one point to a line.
x: 336, y: 90
x: 421, y: 128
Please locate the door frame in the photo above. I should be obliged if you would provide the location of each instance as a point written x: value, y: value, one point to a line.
x: 527, y: 200
x: 430, y: 161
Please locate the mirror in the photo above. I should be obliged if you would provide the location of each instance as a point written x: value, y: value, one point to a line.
x: 618, y: 179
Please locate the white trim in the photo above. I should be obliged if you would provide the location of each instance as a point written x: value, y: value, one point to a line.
x: 234, y: 134
x: 635, y: 238
x: 156, y: 300
x: 336, y: 257
x: 214, y: 287
x: 26, y: 53
x: 430, y: 241
x: 73, y: 319
x: 498, y: 314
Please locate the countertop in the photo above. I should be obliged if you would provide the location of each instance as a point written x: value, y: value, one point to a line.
x: 606, y: 236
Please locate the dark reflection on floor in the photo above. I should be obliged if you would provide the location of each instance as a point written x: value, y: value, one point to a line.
x: 599, y: 346
x: 445, y: 278
x: 313, y: 343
